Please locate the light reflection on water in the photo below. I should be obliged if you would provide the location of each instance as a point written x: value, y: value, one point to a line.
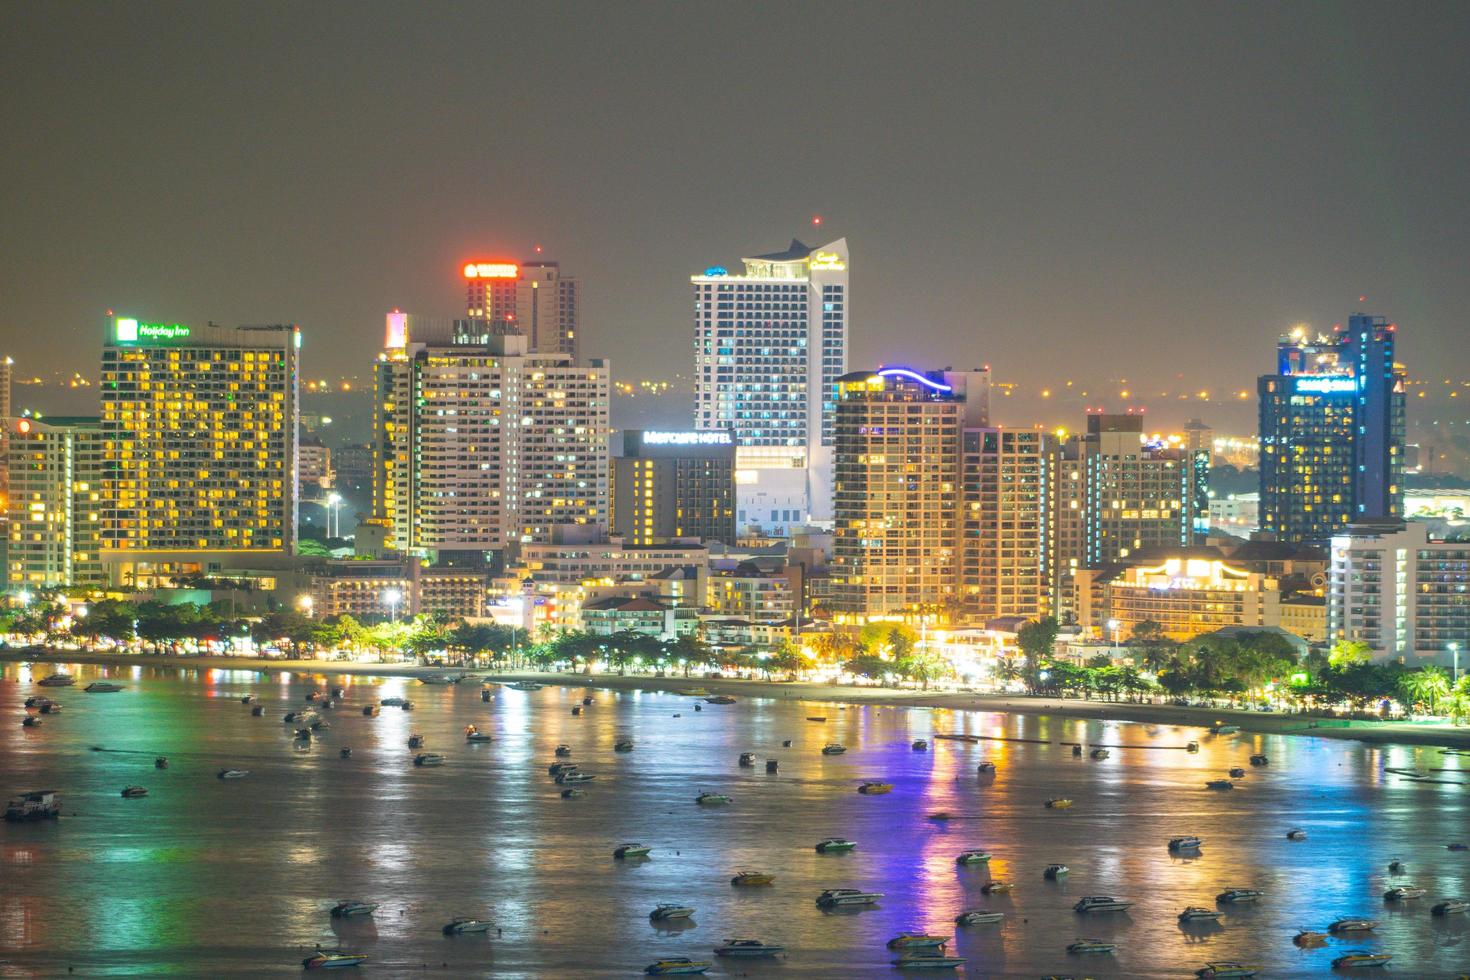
x: 204, y: 877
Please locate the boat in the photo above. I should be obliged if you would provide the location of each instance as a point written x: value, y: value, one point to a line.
x: 485, y: 695
x: 1219, y: 784
x: 1077, y: 751
x: 940, y: 816
x: 428, y: 759
x: 1224, y: 729
x: 1192, y: 747
x: 996, y: 887
x: 1091, y: 946
x: 748, y: 947
x: 563, y: 751
x: 1402, y: 893
x: 747, y: 760
x: 1056, y: 871
x: 473, y: 734
x: 676, y: 965
x: 1354, y: 958
x: 257, y: 711
x: 1260, y: 760
x: 1451, y: 906
x: 719, y: 699
x: 711, y: 799
x: 925, y: 959
x: 875, y: 789
x: 1236, y: 773
x: 1396, y: 866
x: 572, y: 793
x: 161, y: 762
x: 58, y: 679
x: 415, y: 740
x: 133, y: 792
x: 587, y: 699
x: 917, y: 940
x: 233, y: 773
x: 631, y: 851
x: 574, y: 776
x: 1198, y: 913
x: 576, y: 710
x: 1296, y: 833
x: 393, y: 702
x: 1211, y: 971
x: 348, y: 907
x: 986, y: 769
x: 371, y: 710
x: 557, y: 768
x: 1058, y: 803
x: 920, y: 745
x: 345, y: 752
x: 1457, y: 846
x: 972, y: 857
x: 30, y: 721
x: 752, y: 879
x: 1188, y: 842
x: 773, y: 765
x: 1341, y: 926
x: 1309, y: 937
x: 1100, y: 753
x: 41, y: 804
x: 833, y: 748
x: 460, y: 927
x: 846, y: 897
x: 526, y: 686
x: 693, y: 692
x: 1235, y: 896
x: 667, y: 911
x: 429, y: 679
x: 303, y: 734
x: 835, y: 845
x: 626, y: 745
x: 333, y: 959
x: 975, y: 917
x: 39, y: 701
x: 1100, y: 903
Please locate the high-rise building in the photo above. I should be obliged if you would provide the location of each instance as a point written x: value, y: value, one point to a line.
x: 533, y: 297
x: 199, y: 451
x: 668, y: 485
x: 55, y: 506
x: 479, y: 444
x: 1332, y: 431
x: 1005, y: 546
x: 769, y: 345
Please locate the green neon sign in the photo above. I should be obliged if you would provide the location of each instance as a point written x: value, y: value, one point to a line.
x: 128, y: 330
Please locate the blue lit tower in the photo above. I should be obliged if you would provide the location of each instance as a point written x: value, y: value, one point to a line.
x: 1332, y: 431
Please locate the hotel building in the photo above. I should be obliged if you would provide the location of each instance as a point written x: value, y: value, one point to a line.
x: 1005, y: 547
x: 54, y: 506
x: 770, y: 344
x: 532, y: 297
x: 671, y: 485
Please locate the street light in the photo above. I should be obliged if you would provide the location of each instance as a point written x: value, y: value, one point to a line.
x: 1114, y: 625
x: 393, y: 597
x: 305, y: 602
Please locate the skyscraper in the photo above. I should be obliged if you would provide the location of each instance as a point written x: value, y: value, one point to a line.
x: 668, y: 485
x: 479, y: 444
x: 55, y: 505
x: 1332, y: 431
x: 199, y: 450
x: 1005, y: 547
x: 769, y: 347
x: 533, y: 297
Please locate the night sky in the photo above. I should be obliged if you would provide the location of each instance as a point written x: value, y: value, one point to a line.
x: 1111, y: 193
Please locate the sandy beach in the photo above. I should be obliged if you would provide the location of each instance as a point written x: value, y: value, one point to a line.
x: 1272, y: 723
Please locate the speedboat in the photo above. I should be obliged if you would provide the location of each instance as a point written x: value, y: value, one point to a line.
x: 1058, y: 803
x: 667, y: 911
x: 58, y: 679
x: 1260, y: 760
x: 1056, y: 871
x: 719, y: 699
x: 748, y: 947
x: 875, y: 789
x: 920, y: 745
x: 371, y: 710
x: 393, y: 702
x: 1224, y: 729
x: 750, y: 879
x: 1360, y: 957
x: 563, y: 751
x: 975, y: 917
x: 473, y: 734
x: 587, y: 699
x: 996, y: 887
x: 233, y: 773
x: 1100, y: 753
x: 711, y: 799
x: 972, y: 857
x: 574, y: 776
x: 348, y: 907
x: 1101, y: 903
x: 833, y: 748
x: 1219, y: 784
x: 415, y: 740
x: 572, y: 793
x: 1396, y: 866
x: 440, y: 679
x: 631, y: 851
x: 1198, y: 913
x: 333, y: 959
x: 773, y: 765
x: 1091, y: 946
x: 1186, y: 843
x: 834, y: 845
x: 428, y: 759
x: 526, y: 686
x: 303, y: 734
x: 928, y: 959
x: 1236, y: 773
x: 747, y: 760
x: 1352, y: 925
x: 1457, y: 846
x: 626, y: 745
x: 986, y: 769
x: 1211, y: 971
x: 133, y: 792
x: 846, y: 897
x: 1310, y: 937
x: 30, y: 721
x: 557, y: 768
x: 1451, y: 906
x: 917, y: 940
x: 676, y: 965
x: 44, y: 804
x: 1296, y: 833
x: 1401, y: 893
x: 1235, y: 896
x: 38, y: 701
x: 460, y: 927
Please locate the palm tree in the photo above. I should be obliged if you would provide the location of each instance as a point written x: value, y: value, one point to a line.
x: 1425, y: 686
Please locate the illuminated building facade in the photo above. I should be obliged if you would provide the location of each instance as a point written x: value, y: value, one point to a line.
x: 770, y: 345
x: 532, y: 297
x: 479, y: 444
x: 1188, y: 592
x: 1005, y: 546
x: 54, y: 512
x: 1332, y: 431
x: 199, y: 446
x: 670, y: 484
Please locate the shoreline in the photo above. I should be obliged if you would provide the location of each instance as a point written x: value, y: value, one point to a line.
x: 1253, y: 722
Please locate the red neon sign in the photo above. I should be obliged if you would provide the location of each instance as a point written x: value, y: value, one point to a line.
x: 491, y: 270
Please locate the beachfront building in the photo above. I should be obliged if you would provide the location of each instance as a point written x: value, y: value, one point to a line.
x: 53, y: 508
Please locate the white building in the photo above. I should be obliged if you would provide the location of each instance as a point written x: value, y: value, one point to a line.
x: 1400, y: 592
x: 770, y: 345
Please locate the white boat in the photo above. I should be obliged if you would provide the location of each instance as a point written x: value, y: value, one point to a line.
x: 1100, y: 903
x: 460, y: 927
x: 42, y: 804
x: 1236, y: 896
x: 972, y: 857
x: 58, y: 679
x: 1342, y: 926
x: 834, y: 845
x: 526, y: 686
x: 1198, y: 913
x: 1402, y: 893
x: 574, y: 776
x: 631, y: 851
x: 1451, y: 906
x: 667, y: 911
x: 747, y: 760
x: 1218, y: 971
x: 333, y: 959
x: 1091, y: 946
x: 102, y: 687
x: 748, y: 948
x: 925, y: 959
x: 348, y: 907
x: 985, y: 769
x: 1056, y: 871
x: 1360, y: 957
x: 975, y: 917
x: 846, y: 897
x: 134, y: 792
x: 428, y: 759
x: 676, y: 966
x: 711, y: 799
x: 1185, y: 843
x: 39, y: 701
x: 833, y: 748
x: 1225, y: 729
x: 393, y: 702
x: 557, y: 768
x: 917, y: 940
x: 563, y: 751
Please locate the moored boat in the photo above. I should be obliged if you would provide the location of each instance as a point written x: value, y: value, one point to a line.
x: 1310, y: 937
x: 972, y: 857
x: 975, y: 917
x: 1219, y: 784
x: 233, y: 773
x: 928, y: 959
x: 428, y: 759
x: 1058, y: 803
x: 348, y: 907
x: 1056, y: 871
x: 58, y: 679
x: 712, y: 799
x: 333, y: 959
x: 1236, y: 896
x: 676, y: 966
x: 1187, y: 842
x: 1198, y: 913
x: 996, y: 887
x: 415, y: 740
x: 371, y: 710
x: 1091, y: 946
x: 719, y: 699
x: 39, y: 701
x: 1451, y: 906
x: 1296, y: 833
x: 846, y: 897
x: 834, y: 845
x: 573, y: 775
x: 751, y: 879
x: 625, y: 745
x: 42, y: 804
x: 1100, y: 754
x: 526, y: 686
x: 631, y: 851
x: 1100, y: 903
x: 669, y: 910
x: 572, y: 793
x: 1354, y: 958
x: 1260, y: 760
x: 133, y: 792
x: 986, y: 769
x: 393, y: 702
x: 1402, y: 893
x: 875, y: 789
x: 920, y: 745
x: 465, y: 926
x: 563, y: 751
x: 748, y: 947
x: 1342, y: 926
x: 1224, y: 729
x: 102, y: 687
x: 833, y: 748
x: 747, y: 760
x: 1218, y: 971
x: 917, y: 940
x: 1236, y: 773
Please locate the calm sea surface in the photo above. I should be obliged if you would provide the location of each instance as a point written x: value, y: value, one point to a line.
x: 205, y: 877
